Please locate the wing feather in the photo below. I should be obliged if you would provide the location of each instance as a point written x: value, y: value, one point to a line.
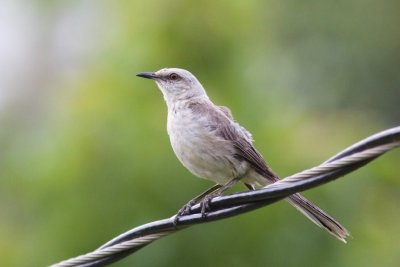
x: 220, y: 119
x: 245, y: 149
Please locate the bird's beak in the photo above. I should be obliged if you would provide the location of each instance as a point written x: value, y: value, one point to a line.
x: 147, y: 75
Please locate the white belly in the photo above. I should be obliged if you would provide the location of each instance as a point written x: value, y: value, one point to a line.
x: 201, y: 151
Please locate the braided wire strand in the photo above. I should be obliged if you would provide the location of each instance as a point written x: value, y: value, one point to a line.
x: 330, y: 166
x: 115, y: 249
x: 238, y: 203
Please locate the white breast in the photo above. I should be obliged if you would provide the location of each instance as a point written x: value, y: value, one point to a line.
x: 200, y: 150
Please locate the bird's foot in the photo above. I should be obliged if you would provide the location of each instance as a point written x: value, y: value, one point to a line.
x: 185, y: 210
x: 204, y: 200
x: 205, y: 203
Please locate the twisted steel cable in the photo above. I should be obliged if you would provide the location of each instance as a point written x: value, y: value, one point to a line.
x: 339, y: 165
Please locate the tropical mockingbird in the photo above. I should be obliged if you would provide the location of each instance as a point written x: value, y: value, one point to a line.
x: 211, y: 145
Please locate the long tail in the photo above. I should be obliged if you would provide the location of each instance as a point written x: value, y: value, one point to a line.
x: 311, y: 211
x: 318, y: 216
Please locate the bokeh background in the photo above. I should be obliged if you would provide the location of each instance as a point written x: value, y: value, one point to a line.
x: 84, y: 153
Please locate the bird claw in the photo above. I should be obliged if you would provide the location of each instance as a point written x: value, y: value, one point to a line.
x: 205, y: 205
x: 185, y: 210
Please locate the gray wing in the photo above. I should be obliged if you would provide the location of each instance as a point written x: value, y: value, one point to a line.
x: 245, y: 149
x: 228, y: 113
x: 220, y: 119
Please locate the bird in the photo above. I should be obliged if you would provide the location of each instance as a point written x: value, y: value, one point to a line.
x: 212, y: 145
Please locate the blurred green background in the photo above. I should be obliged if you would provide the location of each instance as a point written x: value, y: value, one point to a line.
x: 84, y: 153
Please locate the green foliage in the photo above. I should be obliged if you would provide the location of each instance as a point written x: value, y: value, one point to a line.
x: 85, y: 154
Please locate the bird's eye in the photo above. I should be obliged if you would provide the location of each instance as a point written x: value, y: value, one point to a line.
x: 174, y: 76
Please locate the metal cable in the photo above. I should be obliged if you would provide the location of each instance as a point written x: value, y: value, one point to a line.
x: 344, y: 162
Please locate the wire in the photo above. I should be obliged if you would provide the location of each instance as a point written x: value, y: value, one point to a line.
x: 337, y: 166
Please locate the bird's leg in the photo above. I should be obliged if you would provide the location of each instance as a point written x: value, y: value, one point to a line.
x: 250, y: 187
x: 205, y: 203
x: 186, y: 208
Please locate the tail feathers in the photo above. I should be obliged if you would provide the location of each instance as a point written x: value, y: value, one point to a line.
x: 318, y: 216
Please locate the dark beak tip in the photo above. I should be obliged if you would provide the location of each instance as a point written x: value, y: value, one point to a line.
x: 147, y: 75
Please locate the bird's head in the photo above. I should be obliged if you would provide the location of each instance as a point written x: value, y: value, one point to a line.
x: 176, y: 84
